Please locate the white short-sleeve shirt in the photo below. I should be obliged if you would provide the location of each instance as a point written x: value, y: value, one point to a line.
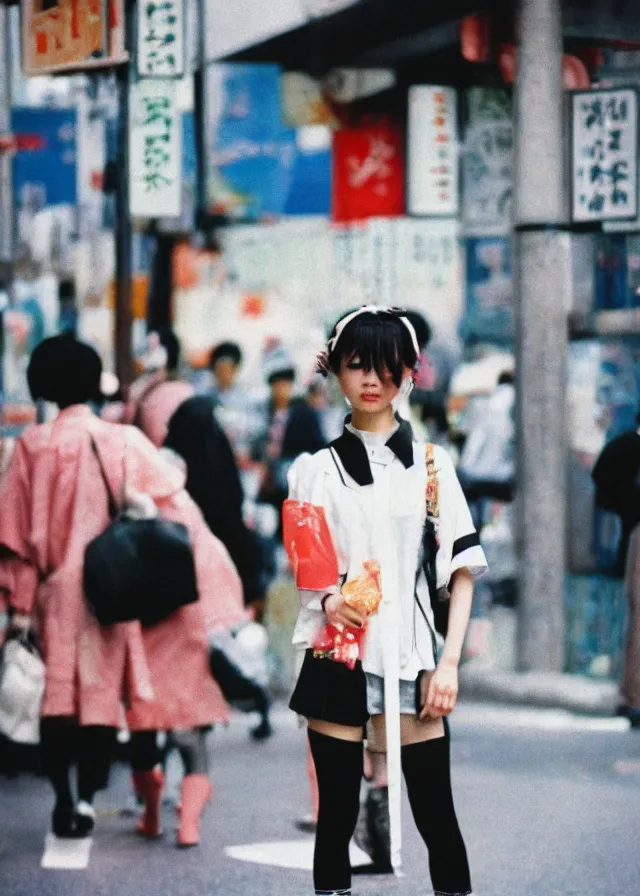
x: 373, y: 491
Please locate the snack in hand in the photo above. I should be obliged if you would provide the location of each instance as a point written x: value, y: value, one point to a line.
x: 363, y: 593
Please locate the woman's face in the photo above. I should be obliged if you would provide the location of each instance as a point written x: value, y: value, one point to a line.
x: 364, y: 389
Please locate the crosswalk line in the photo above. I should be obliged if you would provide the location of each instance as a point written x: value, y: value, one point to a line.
x: 66, y: 855
x: 294, y: 854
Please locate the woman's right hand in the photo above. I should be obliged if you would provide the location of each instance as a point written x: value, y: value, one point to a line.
x: 338, y: 612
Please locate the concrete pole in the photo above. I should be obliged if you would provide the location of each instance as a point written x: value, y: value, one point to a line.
x: 6, y: 197
x: 542, y: 302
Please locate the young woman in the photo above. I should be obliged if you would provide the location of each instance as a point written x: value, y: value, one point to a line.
x: 390, y: 500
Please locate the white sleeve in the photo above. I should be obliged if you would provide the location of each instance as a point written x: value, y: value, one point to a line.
x: 466, y: 551
x: 302, y: 479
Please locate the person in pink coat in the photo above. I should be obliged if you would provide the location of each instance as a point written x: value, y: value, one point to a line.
x: 158, y: 394
x: 53, y: 502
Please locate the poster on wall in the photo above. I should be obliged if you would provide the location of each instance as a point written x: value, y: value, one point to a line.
x: 432, y: 151
x: 368, y: 173
x: 155, y: 149
x: 45, y: 186
x: 489, y: 304
x: 161, y: 39
x: 604, y: 155
x: 488, y: 164
x: 256, y: 166
x: 70, y: 35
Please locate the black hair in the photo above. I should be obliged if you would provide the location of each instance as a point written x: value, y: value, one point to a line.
x: 506, y: 378
x: 171, y: 344
x: 64, y: 371
x: 380, y: 340
x: 421, y: 326
x: 287, y: 374
x: 228, y: 351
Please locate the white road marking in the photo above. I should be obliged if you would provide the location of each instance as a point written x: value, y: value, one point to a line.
x: 488, y: 715
x: 296, y: 854
x: 66, y: 855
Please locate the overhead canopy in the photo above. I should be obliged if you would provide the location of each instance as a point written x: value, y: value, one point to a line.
x: 406, y: 35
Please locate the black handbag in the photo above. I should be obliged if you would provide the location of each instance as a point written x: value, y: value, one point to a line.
x: 138, y: 569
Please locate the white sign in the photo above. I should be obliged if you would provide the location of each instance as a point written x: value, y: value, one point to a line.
x: 155, y: 150
x: 433, y: 180
x: 488, y: 177
x: 161, y: 38
x: 605, y: 155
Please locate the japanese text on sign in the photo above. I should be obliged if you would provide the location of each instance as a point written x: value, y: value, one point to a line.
x: 433, y: 151
x: 155, y: 150
x: 605, y: 155
x: 161, y: 38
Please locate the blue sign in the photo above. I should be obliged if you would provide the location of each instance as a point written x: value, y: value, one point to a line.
x: 44, y: 167
x: 489, y: 306
x: 256, y: 166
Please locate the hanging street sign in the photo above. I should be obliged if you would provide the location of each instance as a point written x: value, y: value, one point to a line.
x: 604, y: 155
x: 155, y: 150
x: 433, y: 175
x: 161, y: 38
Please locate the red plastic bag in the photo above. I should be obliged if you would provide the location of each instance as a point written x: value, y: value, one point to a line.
x: 309, y: 546
x: 342, y: 644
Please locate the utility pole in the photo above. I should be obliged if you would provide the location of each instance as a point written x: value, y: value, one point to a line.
x: 541, y: 213
x: 6, y: 194
x: 6, y: 191
x: 123, y: 235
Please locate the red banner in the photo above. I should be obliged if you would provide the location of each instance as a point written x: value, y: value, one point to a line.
x: 368, y: 173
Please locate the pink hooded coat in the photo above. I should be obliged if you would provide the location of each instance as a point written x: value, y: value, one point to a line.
x: 53, y: 502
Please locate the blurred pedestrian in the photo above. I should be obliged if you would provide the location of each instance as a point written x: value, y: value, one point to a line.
x: 630, y: 689
x: 375, y: 486
x: 616, y: 475
x: 237, y: 409
x: 214, y: 484
x: 159, y: 391
x: 293, y: 426
x: 54, y: 503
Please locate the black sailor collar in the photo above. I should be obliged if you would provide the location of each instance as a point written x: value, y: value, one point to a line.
x: 353, y: 454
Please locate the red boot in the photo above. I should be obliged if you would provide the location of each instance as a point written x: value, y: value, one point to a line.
x: 196, y: 793
x: 148, y: 785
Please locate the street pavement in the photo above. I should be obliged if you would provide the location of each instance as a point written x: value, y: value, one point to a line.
x: 549, y: 804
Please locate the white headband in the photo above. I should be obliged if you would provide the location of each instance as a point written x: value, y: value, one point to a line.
x: 373, y: 309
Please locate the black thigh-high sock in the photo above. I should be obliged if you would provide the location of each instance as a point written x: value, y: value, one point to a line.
x: 339, y: 769
x: 57, y: 742
x: 143, y: 750
x: 427, y: 771
x: 96, y: 747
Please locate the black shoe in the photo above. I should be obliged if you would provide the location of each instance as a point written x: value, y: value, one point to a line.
x: 63, y: 822
x: 85, y: 819
x: 263, y: 731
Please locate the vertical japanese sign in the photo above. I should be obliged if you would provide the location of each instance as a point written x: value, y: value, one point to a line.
x: 487, y: 164
x: 605, y: 155
x: 155, y: 150
x: 161, y: 38
x: 433, y: 151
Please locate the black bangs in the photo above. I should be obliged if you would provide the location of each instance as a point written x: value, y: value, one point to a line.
x: 381, y: 342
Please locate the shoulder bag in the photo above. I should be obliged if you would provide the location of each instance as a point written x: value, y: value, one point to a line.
x: 138, y: 569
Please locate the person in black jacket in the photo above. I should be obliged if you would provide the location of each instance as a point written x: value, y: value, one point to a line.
x: 617, y: 479
x: 214, y: 484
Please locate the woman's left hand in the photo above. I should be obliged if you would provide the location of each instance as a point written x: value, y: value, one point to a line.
x: 442, y: 692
